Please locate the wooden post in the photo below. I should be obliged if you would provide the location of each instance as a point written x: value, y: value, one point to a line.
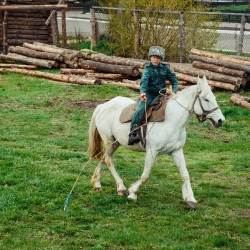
x: 182, y: 39
x: 94, y: 28
x: 137, y: 33
x: 54, y: 29
x: 241, y: 36
x: 64, y: 33
x: 5, y: 43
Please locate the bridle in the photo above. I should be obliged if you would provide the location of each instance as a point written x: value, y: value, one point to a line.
x: 201, y: 118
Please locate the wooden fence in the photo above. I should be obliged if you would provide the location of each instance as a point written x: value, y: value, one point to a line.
x: 96, y: 23
x: 28, y: 21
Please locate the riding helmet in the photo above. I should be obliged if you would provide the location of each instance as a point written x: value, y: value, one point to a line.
x: 156, y: 51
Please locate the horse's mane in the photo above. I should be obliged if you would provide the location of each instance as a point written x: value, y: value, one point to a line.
x: 184, y: 91
x: 205, y: 90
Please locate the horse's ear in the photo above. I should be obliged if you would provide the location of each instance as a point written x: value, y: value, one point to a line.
x: 199, y: 82
x: 204, y: 79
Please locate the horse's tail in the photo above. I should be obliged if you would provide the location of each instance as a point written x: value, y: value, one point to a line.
x: 95, y: 140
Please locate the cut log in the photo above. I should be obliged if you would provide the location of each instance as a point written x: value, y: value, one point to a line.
x: 222, y: 70
x: 241, y: 57
x: 44, y: 48
x: 226, y: 64
x: 58, y: 77
x: 33, y: 7
x: 73, y: 65
x: 76, y: 71
x: 189, y: 70
x: 110, y: 68
x: 131, y: 82
x: 219, y: 57
x: 180, y: 82
x: 20, y: 66
x: 105, y: 76
x: 65, y: 51
x: 27, y: 60
x: 116, y: 60
x: 215, y: 84
x: 240, y: 100
x: 63, y: 65
x: 35, y: 54
x: 122, y: 84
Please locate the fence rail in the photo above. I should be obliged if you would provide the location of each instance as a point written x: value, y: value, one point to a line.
x: 232, y: 36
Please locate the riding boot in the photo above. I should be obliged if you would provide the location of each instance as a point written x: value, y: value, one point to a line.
x: 134, y: 137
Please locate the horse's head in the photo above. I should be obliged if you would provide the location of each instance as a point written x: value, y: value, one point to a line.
x: 205, y: 105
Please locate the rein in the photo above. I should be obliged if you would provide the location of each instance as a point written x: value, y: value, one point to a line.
x: 201, y: 118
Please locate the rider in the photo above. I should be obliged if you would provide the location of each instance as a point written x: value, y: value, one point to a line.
x: 153, y: 80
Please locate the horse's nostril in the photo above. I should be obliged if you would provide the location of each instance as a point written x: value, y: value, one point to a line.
x: 220, y: 121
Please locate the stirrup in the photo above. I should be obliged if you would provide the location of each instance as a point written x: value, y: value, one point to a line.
x: 133, y: 138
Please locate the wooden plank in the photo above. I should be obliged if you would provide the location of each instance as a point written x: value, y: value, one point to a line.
x: 33, y: 7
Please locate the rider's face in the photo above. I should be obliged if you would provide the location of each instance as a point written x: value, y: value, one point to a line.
x: 155, y: 60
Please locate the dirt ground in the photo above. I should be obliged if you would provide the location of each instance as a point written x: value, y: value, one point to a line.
x: 87, y: 104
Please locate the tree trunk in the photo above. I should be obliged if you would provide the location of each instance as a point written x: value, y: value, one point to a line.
x: 35, y: 54
x: 110, y: 68
x: 64, y: 51
x: 116, y: 60
x: 189, y: 70
x: 58, y: 77
x: 44, y: 48
x: 218, y: 57
x: 122, y: 84
x: 226, y: 64
x: 215, y: 84
x: 240, y: 100
x: 222, y: 70
x: 27, y: 60
x: 33, y: 7
x: 8, y: 65
x: 105, y: 76
x: 76, y: 71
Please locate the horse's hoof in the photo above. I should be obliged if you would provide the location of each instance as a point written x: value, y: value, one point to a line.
x: 192, y: 204
x: 132, y: 196
x: 122, y: 193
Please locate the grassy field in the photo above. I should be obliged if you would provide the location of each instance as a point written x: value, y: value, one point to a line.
x: 43, y: 148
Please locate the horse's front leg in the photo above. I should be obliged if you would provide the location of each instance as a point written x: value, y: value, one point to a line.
x: 149, y: 161
x: 187, y: 191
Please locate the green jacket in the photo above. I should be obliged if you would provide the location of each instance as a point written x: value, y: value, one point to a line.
x: 154, y: 79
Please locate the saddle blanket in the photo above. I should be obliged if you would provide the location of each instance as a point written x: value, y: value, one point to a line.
x: 152, y: 115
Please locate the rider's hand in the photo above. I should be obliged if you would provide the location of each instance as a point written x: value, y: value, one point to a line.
x: 170, y: 93
x: 143, y: 97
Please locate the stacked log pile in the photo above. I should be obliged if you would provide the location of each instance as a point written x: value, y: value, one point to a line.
x: 222, y: 71
x: 47, y: 56
x: 76, y: 66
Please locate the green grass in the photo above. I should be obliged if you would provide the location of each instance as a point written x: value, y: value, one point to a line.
x: 232, y: 8
x: 43, y: 147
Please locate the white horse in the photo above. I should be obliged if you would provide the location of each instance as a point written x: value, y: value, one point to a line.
x: 107, y: 133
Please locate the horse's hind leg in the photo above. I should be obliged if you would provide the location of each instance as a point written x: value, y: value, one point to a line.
x: 108, y: 159
x: 121, y: 189
x: 96, y: 178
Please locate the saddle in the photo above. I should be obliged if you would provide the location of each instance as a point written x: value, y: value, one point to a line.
x: 155, y: 111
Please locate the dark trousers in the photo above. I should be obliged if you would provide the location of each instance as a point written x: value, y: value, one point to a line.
x: 139, y: 113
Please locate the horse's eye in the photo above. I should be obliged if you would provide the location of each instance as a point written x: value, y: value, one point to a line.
x: 206, y: 100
